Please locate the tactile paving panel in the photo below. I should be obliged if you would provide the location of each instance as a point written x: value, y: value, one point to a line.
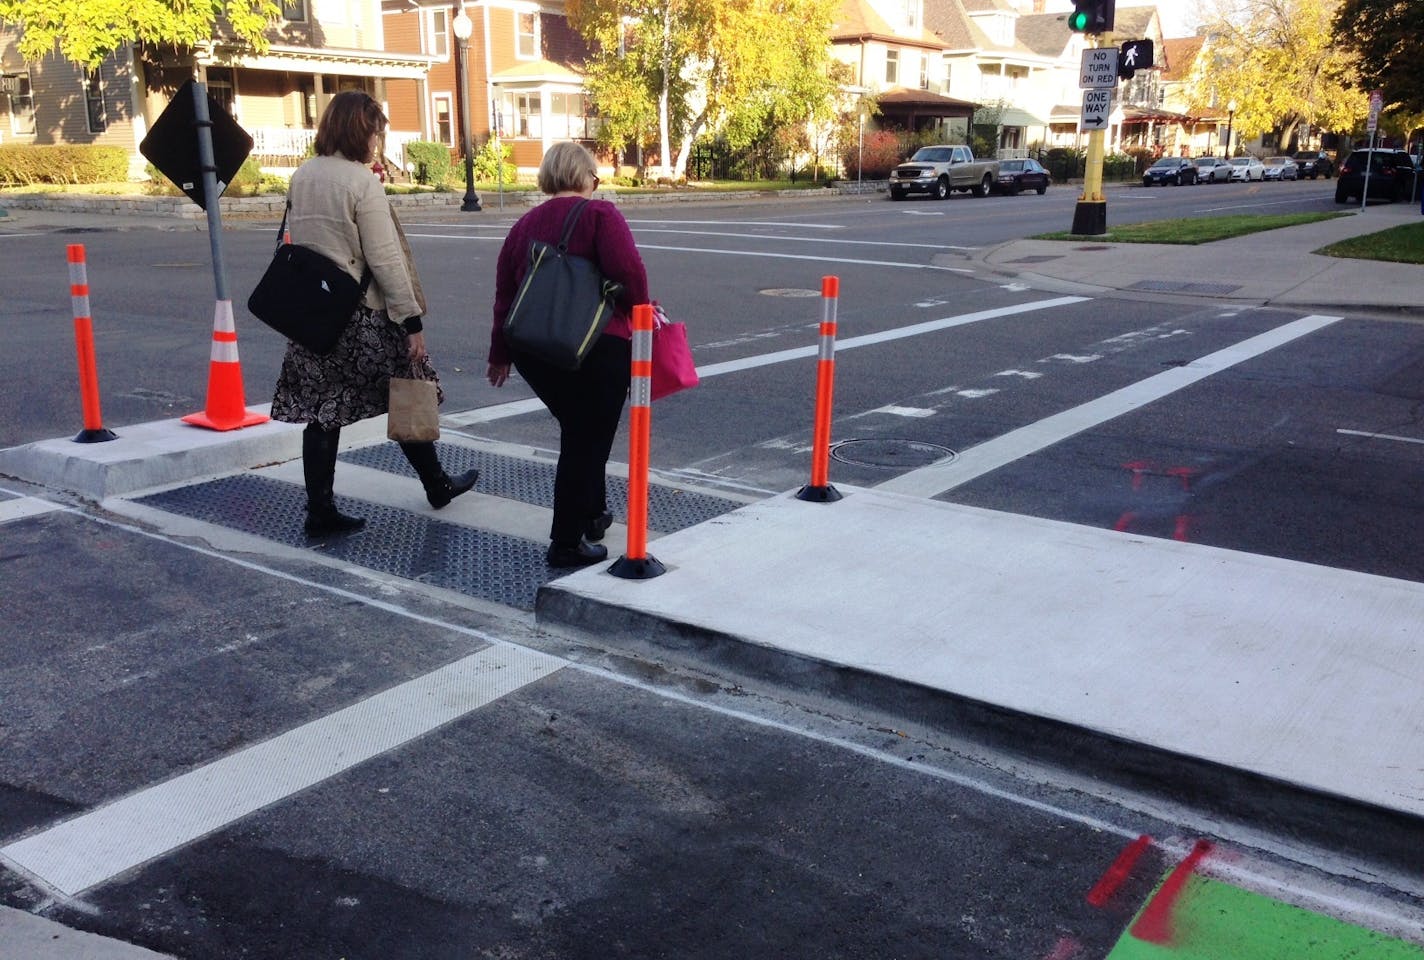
x: 532, y: 481
x: 477, y: 563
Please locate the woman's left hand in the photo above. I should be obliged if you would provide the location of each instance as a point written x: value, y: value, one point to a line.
x: 415, y: 343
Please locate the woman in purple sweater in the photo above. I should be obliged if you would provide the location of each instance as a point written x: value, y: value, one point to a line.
x: 587, y: 402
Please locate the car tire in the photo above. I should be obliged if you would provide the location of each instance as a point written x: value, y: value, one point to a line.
x: 982, y: 190
x: 897, y: 194
x: 1341, y: 196
x: 1042, y: 189
x: 941, y: 191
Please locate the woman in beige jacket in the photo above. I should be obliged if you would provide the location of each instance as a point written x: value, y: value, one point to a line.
x: 339, y: 209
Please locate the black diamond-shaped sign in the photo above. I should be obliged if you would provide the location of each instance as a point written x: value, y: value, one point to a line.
x: 172, y: 144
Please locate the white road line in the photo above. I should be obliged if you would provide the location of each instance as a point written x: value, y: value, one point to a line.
x: 1379, y: 436
x: 26, y: 507
x: 988, y: 456
x: 757, y: 236
x: 794, y: 256
x: 1240, y: 206
x: 519, y: 407
x: 746, y: 223
x: 97, y: 846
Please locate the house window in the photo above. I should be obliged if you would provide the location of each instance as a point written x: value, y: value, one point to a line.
x: 528, y: 121
x: 912, y: 14
x: 526, y: 36
x: 294, y: 11
x: 444, y: 127
x: 22, y: 109
x: 892, y: 67
x: 439, y: 42
x: 924, y: 73
x: 569, y: 117
x: 94, y: 101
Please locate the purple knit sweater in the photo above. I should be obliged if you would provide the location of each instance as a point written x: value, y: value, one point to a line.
x: 601, y: 235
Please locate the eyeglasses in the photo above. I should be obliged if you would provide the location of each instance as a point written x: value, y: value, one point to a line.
x: 596, y: 181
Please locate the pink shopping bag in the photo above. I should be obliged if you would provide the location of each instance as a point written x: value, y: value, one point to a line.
x: 673, y: 369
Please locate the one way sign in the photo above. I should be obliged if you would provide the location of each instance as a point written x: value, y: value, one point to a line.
x: 1097, y: 104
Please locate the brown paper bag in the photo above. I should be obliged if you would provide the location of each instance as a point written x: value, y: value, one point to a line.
x: 414, y: 413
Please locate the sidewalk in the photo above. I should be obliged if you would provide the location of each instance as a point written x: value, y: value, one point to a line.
x: 1272, y: 268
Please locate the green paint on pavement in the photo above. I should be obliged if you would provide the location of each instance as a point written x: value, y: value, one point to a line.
x: 1216, y: 921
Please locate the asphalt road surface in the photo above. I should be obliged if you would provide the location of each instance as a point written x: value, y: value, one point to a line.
x: 607, y: 806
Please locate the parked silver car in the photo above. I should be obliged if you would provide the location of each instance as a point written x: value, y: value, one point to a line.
x: 1213, y: 170
x: 1281, y: 168
x: 1247, y: 169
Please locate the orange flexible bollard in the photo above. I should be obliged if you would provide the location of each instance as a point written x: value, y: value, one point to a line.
x: 636, y: 564
x: 93, y: 431
x: 819, y: 490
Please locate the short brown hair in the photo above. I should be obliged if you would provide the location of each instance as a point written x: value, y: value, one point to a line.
x: 347, y: 125
x: 567, y: 166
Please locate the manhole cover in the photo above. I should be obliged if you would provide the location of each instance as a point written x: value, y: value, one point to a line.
x: 789, y: 292
x: 894, y: 452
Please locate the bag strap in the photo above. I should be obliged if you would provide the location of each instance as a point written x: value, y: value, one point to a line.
x: 282, y: 232
x: 569, y: 223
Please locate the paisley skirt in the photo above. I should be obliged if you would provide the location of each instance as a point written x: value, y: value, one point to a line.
x: 351, y: 382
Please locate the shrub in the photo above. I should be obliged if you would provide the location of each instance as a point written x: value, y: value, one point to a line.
x: 431, y: 162
x: 880, y: 154
x: 492, y: 162
x: 27, y: 164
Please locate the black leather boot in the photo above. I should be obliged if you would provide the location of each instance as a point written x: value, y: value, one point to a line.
x: 319, y: 472
x: 440, y: 487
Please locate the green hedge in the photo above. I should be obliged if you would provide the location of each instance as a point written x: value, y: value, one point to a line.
x: 26, y: 164
x: 431, y: 162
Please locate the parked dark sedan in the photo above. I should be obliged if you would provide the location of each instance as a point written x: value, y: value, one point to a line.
x: 1391, y: 176
x: 1173, y: 170
x: 1314, y: 163
x: 1016, y: 176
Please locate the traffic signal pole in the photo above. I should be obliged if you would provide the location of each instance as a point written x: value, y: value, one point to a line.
x: 1090, y: 216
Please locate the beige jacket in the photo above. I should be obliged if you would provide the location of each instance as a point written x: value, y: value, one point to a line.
x: 340, y: 210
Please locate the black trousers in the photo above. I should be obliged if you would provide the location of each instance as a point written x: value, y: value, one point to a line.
x: 588, y: 404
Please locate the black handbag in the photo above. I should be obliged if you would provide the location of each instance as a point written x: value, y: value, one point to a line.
x: 563, y: 304
x: 305, y: 296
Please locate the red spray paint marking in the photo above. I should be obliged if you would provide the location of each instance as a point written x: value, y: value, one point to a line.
x: 1155, y: 924
x: 1115, y: 875
x: 1065, y: 949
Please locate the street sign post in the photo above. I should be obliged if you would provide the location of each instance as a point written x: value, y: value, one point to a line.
x: 1097, y: 105
x: 1098, y: 69
x: 1376, y: 104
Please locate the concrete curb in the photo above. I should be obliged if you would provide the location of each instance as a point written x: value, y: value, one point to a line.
x: 1243, y: 798
x: 164, y: 452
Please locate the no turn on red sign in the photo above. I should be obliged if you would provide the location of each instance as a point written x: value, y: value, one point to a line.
x: 1376, y: 103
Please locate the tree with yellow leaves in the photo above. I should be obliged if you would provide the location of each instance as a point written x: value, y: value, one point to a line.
x: 1279, y: 62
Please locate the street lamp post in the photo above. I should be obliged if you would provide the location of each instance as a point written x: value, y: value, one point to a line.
x: 463, y: 28
x: 1230, y: 119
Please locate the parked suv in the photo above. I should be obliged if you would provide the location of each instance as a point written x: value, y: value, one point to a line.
x: 1314, y: 163
x: 1392, y: 176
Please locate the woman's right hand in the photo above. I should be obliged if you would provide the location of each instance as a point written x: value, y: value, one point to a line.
x: 497, y: 374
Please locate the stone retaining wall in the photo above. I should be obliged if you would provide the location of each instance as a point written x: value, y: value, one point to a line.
x: 270, y: 207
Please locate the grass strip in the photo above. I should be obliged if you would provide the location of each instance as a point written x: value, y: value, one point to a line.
x: 1198, y: 229
x: 1404, y: 244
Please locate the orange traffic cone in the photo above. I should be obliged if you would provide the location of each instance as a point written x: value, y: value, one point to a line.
x: 226, y: 409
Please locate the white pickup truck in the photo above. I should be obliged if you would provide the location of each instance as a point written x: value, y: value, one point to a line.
x: 940, y: 169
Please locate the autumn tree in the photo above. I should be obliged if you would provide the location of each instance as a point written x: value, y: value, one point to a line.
x: 683, y: 67
x: 1279, y: 61
x: 1387, y: 38
x: 86, y: 31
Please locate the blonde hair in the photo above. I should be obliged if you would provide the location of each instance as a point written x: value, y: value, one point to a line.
x: 567, y: 166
